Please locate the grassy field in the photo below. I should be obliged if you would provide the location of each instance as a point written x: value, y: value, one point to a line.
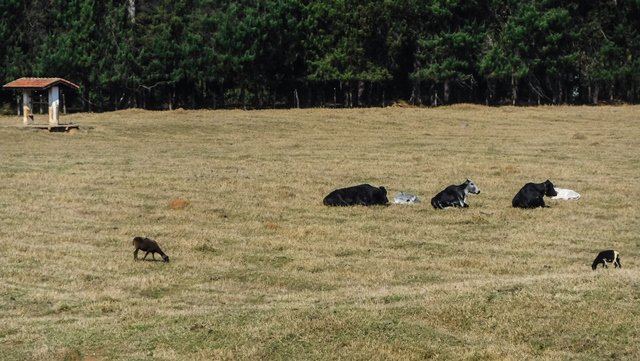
x: 261, y: 270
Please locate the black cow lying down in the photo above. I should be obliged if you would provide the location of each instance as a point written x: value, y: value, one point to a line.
x: 363, y: 195
x: 455, y: 195
x: 531, y: 195
x: 607, y: 256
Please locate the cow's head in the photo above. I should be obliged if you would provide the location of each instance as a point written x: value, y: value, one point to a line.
x: 471, y: 187
x: 549, y: 189
x: 382, y: 196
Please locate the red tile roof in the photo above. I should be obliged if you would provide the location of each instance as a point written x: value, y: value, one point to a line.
x: 38, y: 83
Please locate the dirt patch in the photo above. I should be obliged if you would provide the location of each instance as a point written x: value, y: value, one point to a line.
x: 178, y: 203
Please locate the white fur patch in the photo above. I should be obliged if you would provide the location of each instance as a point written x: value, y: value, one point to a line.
x: 566, y: 194
x: 406, y: 198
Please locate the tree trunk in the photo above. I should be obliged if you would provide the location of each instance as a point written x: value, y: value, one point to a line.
x: 361, y: 85
x: 348, y: 95
x: 335, y: 96
x: 436, y: 99
x: 611, y: 91
x: 489, y: 93
x: 514, y: 90
x: 560, y: 91
x: 594, y: 94
x: 131, y: 10
x: 416, y: 97
x: 447, y: 91
x: 296, y: 98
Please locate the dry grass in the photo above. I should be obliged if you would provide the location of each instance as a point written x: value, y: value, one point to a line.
x: 260, y: 269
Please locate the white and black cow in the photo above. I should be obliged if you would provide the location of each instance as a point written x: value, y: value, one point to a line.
x: 607, y: 256
x: 455, y: 195
x: 531, y: 195
x: 363, y: 195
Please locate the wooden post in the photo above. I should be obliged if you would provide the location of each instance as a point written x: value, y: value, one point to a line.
x: 54, y: 105
x: 27, y: 114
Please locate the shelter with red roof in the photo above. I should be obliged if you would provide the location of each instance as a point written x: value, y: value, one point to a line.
x: 51, y: 85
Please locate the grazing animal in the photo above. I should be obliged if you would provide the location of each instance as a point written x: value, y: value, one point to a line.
x: 531, y: 195
x: 149, y: 246
x: 607, y: 256
x: 363, y: 195
x: 455, y: 195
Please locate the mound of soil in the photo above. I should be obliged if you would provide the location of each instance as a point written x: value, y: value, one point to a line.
x: 178, y: 203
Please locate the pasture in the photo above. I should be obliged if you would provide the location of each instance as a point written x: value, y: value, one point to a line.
x: 261, y: 270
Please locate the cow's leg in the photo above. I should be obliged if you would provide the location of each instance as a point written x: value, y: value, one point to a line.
x: 153, y: 255
x: 145, y: 256
x: 135, y: 254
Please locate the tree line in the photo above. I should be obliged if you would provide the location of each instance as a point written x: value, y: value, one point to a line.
x: 164, y: 54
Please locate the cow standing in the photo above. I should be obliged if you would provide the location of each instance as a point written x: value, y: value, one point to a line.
x: 455, y: 195
x: 607, y: 256
x: 148, y: 246
x: 531, y: 195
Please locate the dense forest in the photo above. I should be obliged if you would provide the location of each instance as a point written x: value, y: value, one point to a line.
x: 165, y: 54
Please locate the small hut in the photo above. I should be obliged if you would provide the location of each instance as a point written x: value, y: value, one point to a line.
x: 52, y: 86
